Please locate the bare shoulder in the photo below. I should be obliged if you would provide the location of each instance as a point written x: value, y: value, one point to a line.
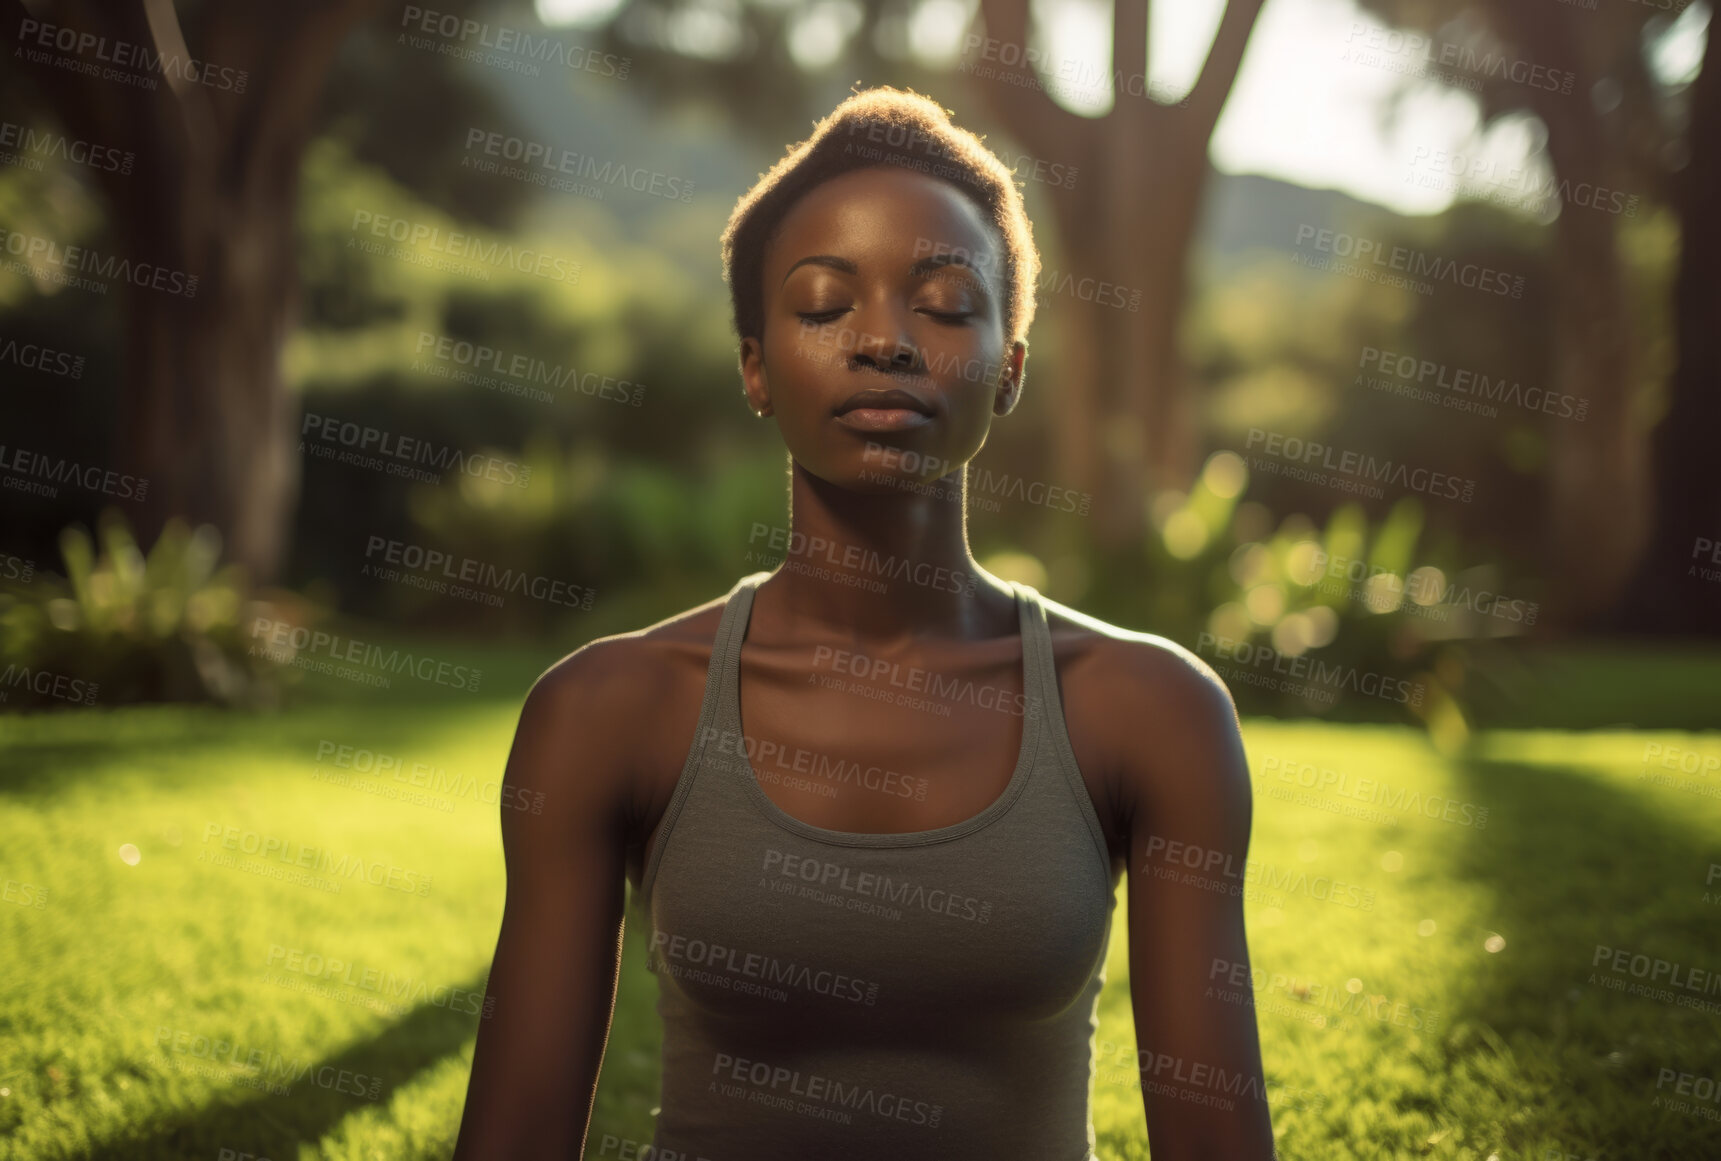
x: 1157, y: 675
x: 631, y: 667
x: 1155, y: 717
x: 627, y: 704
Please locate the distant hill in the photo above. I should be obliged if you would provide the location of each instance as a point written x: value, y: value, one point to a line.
x: 1247, y: 211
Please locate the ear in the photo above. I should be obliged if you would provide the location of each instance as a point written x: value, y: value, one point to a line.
x: 754, y: 381
x: 1010, y: 379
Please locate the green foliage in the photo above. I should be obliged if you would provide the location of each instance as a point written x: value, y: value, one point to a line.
x: 169, y: 626
x: 631, y: 474
x: 1300, y: 618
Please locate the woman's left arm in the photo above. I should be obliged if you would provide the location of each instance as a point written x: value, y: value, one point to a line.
x: 1185, y: 795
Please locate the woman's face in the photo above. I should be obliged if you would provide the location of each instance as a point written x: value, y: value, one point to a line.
x: 883, y: 280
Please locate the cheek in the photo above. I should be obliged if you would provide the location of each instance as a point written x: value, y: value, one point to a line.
x: 804, y: 354
x: 968, y: 364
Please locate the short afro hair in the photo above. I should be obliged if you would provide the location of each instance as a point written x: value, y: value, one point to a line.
x: 872, y: 128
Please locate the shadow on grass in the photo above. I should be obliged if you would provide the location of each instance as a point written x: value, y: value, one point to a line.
x: 273, y: 1126
x: 192, y: 744
x: 75, y: 742
x: 1576, y: 864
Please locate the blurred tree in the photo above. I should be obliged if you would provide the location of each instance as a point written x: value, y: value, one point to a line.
x: 1125, y: 424
x: 1607, y: 133
x: 1665, y: 597
x: 217, y: 140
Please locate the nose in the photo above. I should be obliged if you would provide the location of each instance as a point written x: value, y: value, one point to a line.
x: 876, y: 347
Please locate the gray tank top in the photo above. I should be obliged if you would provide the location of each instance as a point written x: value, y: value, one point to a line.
x: 837, y: 996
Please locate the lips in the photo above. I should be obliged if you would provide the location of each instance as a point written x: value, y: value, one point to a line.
x: 885, y: 400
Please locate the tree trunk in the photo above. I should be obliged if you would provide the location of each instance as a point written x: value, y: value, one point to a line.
x: 1597, y: 469
x: 1139, y: 435
x: 1677, y: 588
x: 205, y: 416
x: 1125, y: 424
x: 207, y: 419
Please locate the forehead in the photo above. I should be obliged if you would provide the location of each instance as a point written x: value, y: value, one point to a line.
x: 884, y: 214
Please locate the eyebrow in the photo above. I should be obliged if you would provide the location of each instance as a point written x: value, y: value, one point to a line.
x: 831, y: 260
x: 924, y: 266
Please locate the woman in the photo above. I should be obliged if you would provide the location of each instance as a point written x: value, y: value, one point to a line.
x: 879, y: 908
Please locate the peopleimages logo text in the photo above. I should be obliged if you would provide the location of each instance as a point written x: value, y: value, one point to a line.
x: 376, y: 872
x: 40, y: 251
x: 33, y: 471
x: 1331, y: 675
x: 125, y: 54
x: 531, y: 48
x: 457, y: 244
x: 477, y: 572
x: 1360, y: 466
x: 1453, y: 56
x: 395, y: 453
x: 1481, y: 386
x: 859, y: 557
x: 527, y: 369
x: 1410, y: 262
x: 553, y: 159
x: 76, y: 151
x: 284, y: 642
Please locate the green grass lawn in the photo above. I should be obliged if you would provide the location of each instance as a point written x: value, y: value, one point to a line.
x: 1447, y: 1004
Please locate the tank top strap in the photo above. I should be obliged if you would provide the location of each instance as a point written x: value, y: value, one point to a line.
x: 720, y: 707
x: 1039, y: 671
x: 718, y: 715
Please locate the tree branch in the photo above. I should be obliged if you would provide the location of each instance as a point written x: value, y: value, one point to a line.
x: 1040, y: 123
x: 278, y: 113
x: 1130, y: 22
x: 197, y: 117
x: 1219, y: 72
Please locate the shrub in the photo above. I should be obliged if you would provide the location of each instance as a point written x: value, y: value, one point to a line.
x: 120, y: 626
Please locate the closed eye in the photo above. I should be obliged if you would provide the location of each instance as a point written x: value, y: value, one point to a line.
x: 943, y: 316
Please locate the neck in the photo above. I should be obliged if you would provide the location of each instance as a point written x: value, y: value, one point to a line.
x: 885, y: 565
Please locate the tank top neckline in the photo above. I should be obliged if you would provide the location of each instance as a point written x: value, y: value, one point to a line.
x: 1036, y: 654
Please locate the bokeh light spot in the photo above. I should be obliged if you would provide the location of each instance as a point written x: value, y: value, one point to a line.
x: 1185, y: 534
x: 1304, y: 562
x: 1225, y: 474
x: 1266, y: 603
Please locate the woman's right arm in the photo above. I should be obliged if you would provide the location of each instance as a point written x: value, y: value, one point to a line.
x: 552, y: 984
